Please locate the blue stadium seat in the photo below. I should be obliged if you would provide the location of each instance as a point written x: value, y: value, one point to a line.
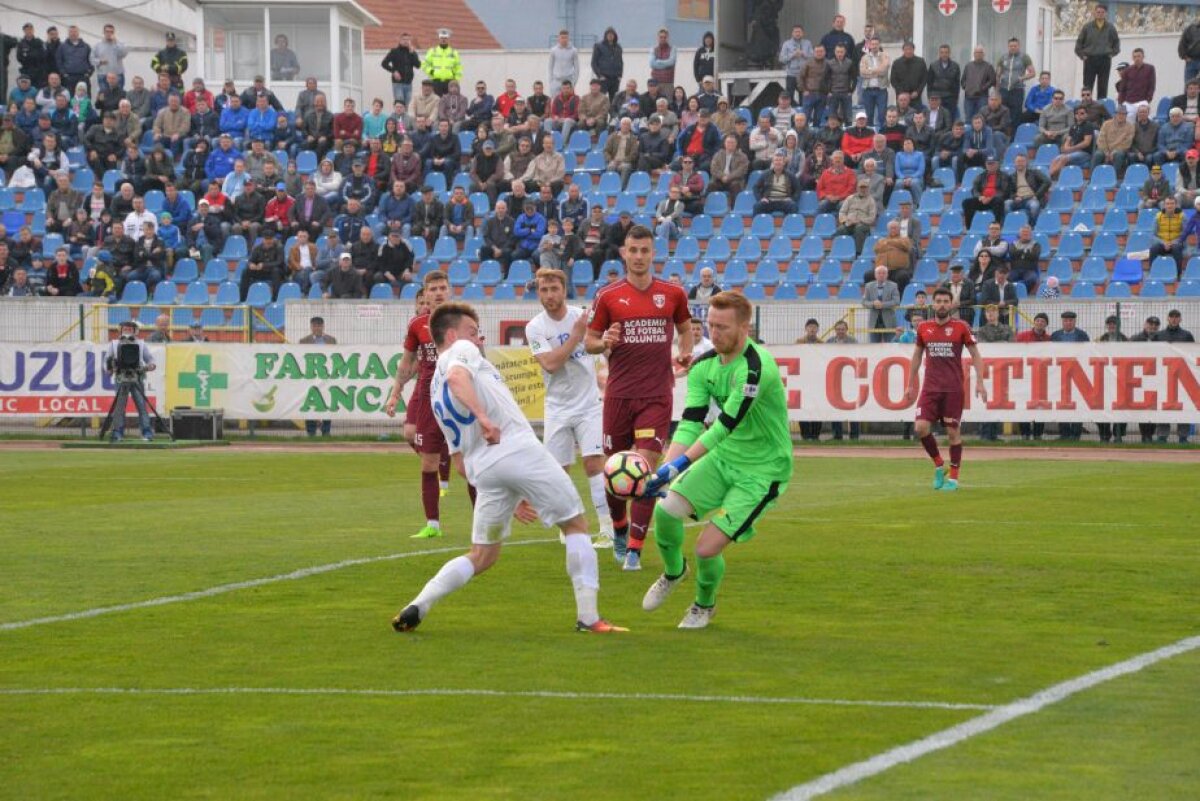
x: 273, y: 317
x: 235, y: 248
x: 521, y: 271
x: 1170, y: 171
x: 1191, y: 271
x: 228, y: 294
x: 489, y: 272
x: 718, y: 249
x: 1082, y: 222
x: 808, y: 203
x: 216, y: 271
x: 1154, y: 289
x: 762, y: 226
x: 811, y: 249
x: 1083, y: 291
x: 687, y: 248
x: 1135, y: 176
x: 1147, y: 221
x: 164, y: 294
x: 1061, y: 269
x: 1048, y: 224
x: 1127, y: 199
x: 445, y: 249
x: 702, y: 225
x: 1095, y: 200
x: 1104, y: 176
x: 780, y: 248
x: 793, y: 226
x: 733, y: 227
x: 1130, y: 270
x: 481, y: 203
x: 767, y: 273
x: 951, y: 223
x: 1188, y: 289
x: 473, y: 292
x: 744, y: 202
x: 786, y: 291
x: 1105, y: 245
x: 1013, y: 221
x: 259, y: 294
x: 829, y: 273
x: 186, y: 271
x: 459, y: 272
x: 754, y: 179
x: 1138, y: 241
x: 754, y: 291
x: 910, y: 293
x: 306, y: 162
x: 315, y: 293
x: 843, y: 248
x: 799, y: 272
x: 1162, y: 269
x: 183, y: 317
x: 1045, y: 154
x: 626, y: 201
x: 147, y: 316
x: 610, y: 184
x: 931, y: 203
x: 1022, y: 291
x: 927, y: 272
x: 946, y: 178
x: 1094, y: 271
x: 940, y: 247
x: 981, y: 221
x: 824, y: 226
x: 196, y: 294
x: 1118, y: 289
x: 851, y: 290
x: 33, y: 200
x: 817, y: 292
x: 673, y: 267
x: 408, y: 292
x: 82, y: 180
x: 134, y: 293
x: 639, y: 183
x: 1026, y: 133
x: 289, y: 290
x: 507, y: 291
x: 736, y: 273
x: 1070, y: 246
x: 380, y: 292
x: 581, y: 273
x: 1115, y: 222
x: 1060, y: 201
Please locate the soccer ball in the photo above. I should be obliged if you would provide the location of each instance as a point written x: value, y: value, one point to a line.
x: 625, y: 474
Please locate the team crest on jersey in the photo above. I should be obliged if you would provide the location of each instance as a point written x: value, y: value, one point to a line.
x: 948, y: 330
x: 660, y: 300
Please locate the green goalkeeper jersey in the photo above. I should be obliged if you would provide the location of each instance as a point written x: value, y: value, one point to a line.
x: 751, y: 433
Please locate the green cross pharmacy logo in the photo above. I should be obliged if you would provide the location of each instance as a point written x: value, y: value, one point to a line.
x: 203, y: 380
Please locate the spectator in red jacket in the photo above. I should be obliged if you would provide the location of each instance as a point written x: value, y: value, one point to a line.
x: 835, y: 184
x: 1137, y: 82
x: 347, y: 125
x: 857, y: 139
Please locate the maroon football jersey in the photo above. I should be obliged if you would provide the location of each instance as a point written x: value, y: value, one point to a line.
x: 943, y: 344
x: 640, y: 366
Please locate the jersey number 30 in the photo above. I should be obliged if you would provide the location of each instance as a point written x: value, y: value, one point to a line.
x: 450, y: 417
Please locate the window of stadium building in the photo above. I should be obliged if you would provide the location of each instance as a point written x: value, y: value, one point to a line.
x: 289, y: 42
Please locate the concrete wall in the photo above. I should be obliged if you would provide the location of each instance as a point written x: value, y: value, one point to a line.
x: 533, y: 24
x: 1161, y: 51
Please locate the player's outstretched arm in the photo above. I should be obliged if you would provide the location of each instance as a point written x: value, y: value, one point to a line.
x: 977, y: 363
x: 463, y: 390
x: 914, y: 375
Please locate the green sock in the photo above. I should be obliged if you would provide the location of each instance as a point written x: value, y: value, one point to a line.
x: 708, y: 578
x: 668, y: 533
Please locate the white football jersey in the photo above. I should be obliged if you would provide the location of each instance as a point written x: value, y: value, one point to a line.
x: 461, y: 427
x: 571, y: 390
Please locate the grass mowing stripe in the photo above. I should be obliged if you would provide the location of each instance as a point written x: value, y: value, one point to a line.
x: 464, y: 691
x: 854, y: 773
x: 221, y: 589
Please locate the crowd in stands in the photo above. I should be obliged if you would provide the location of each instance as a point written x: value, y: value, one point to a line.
x: 129, y: 181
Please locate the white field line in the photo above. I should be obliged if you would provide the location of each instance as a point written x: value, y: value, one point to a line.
x: 856, y: 772
x: 459, y: 692
x: 221, y: 589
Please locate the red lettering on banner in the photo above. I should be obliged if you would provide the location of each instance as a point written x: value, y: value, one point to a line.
x: 787, y: 367
x: 881, y: 382
x: 63, y: 404
x: 1039, y: 383
x: 1179, y: 373
x: 833, y: 382
x: 1001, y: 371
x: 1129, y: 382
x: 1073, y: 377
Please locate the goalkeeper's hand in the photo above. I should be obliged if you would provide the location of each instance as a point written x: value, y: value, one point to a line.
x: 656, y: 485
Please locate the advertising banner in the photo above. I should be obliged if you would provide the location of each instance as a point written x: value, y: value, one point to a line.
x: 66, y: 379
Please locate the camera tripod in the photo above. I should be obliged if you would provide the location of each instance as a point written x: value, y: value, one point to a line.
x: 126, y: 389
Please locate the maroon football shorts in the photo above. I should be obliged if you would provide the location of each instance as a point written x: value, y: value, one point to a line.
x: 943, y: 407
x: 641, y: 423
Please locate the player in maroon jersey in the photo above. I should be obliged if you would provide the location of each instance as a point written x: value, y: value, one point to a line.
x: 635, y: 320
x: 420, y: 426
x: 941, y: 399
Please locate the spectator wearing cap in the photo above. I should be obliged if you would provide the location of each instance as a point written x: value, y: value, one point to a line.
x: 22, y: 90
x: 1113, y: 142
x: 171, y: 60
x: 1155, y: 189
x: 344, y: 281
x: 1169, y: 233
x: 729, y: 169
x: 360, y: 186
x: 1112, y: 333
x: 857, y: 139
x: 699, y: 140
x: 608, y: 61
x: 1070, y: 332
x: 990, y: 190
x: 1175, y: 137
x: 487, y: 171
x: 1174, y: 332
x: 266, y: 263
x: 1149, y: 333
x: 614, y: 235
x: 962, y: 292
x: 708, y: 98
x: 1137, y: 81
x: 528, y: 230
x: 1187, y: 180
x: 654, y: 146
x: 14, y: 144
x: 857, y: 215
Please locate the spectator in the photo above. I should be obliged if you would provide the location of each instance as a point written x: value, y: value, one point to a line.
x: 406, y: 167
x: 394, y: 262
x: 32, y: 56
x: 795, y: 53
x: 1114, y: 141
x: 1097, y: 112
x: 74, y: 59
x: 608, y: 61
x: 564, y: 111
x: 857, y: 215
x: 1137, y: 83
x: 108, y: 56
x: 857, y: 139
x: 1174, y: 332
x: 945, y: 79
x: 452, y: 108
x: 910, y: 170
x: 703, y: 291
x: 704, y: 60
x: 171, y: 60
x: 1000, y: 292
x: 302, y: 262
x: 997, y: 119
x: 1069, y: 333
x: 777, y: 190
x: 162, y: 329
x: 895, y: 253
x: 962, y: 293
x: 1175, y: 137
x: 614, y: 236
x: 266, y: 263
x: 765, y: 139
x: 528, y: 230
x: 1187, y: 180
x: 729, y: 169
x: 724, y: 119
x: 993, y: 330
x: 401, y: 62
x: 1149, y: 333
x: 318, y: 128
x: 1168, y: 233
x: 622, y: 150
x: 593, y: 234
x: 1054, y: 121
x: 196, y: 333
x: 1050, y: 290
x: 919, y: 311
x: 311, y: 212
x: 835, y: 184
x: 978, y: 146
x: 62, y: 277
x: 499, y: 240
x: 444, y: 153
x: 284, y: 64
x: 978, y: 78
x: 813, y: 83
x: 877, y: 184
x: 842, y: 70
x: 910, y: 226
x: 874, y: 66
x: 1025, y: 258
x: 1112, y: 333
x: 880, y: 298
x: 1155, y: 189
x: 1012, y: 71
x: 442, y: 63
x: 841, y: 336
x: 1189, y: 101
x: 1038, y: 333
x: 1076, y: 146
x: 701, y: 141
x: 990, y: 191
x: 564, y: 60
x: 345, y: 281
x: 593, y: 109
x: 662, y: 62
x: 1095, y: 46
x: 547, y: 168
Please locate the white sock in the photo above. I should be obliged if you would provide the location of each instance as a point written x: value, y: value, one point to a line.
x: 599, y: 498
x: 433, y: 523
x: 453, y: 575
x: 585, y: 576
x: 444, y: 485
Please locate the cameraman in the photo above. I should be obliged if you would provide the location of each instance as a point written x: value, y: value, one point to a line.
x: 129, y: 381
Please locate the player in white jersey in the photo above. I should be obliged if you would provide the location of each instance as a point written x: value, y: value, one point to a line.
x: 493, y: 443
x: 574, y: 414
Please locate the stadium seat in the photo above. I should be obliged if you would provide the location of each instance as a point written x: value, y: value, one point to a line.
x: 1127, y: 200
x: 481, y: 203
x: 381, y: 292
x: 1095, y: 200
x: 1118, y: 290
x: 910, y: 293
x: 1105, y: 246
x: 196, y: 294
x: 673, y: 267
x: 829, y: 273
x: 843, y: 248
x: 981, y: 221
x: 940, y: 247
x: 134, y: 293
x: 1191, y: 272
x: 259, y: 294
x: 767, y: 273
x: 459, y: 272
x: 315, y: 293
x: 1048, y: 224
x: 1083, y: 291
x: 1060, y: 201
x: 473, y: 292
x: 1094, y: 271
x: 1153, y: 289
x: 927, y: 272
x: 821, y: 292
x: 626, y: 201
x: 702, y: 224
x: 408, y: 292
x: 306, y: 162
x: 271, y: 318
x: 851, y: 290
x: 110, y: 179
x: 183, y: 317
x: 780, y: 248
x: 235, y: 248
x: 811, y: 249
x: 786, y: 291
x: 164, y: 294
x: 1188, y: 289
x: 82, y: 180
x: 581, y: 273
x: 945, y: 178
x: 687, y: 248
x: 228, y: 294
x: 288, y: 291
x: 1022, y: 290
x: 1115, y: 222
x: 1161, y: 269
x: 1070, y: 246
x: 1045, y: 154
x: 445, y: 249
x: 951, y: 223
x: 793, y: 226
x: 808, y: 203
x: 34, y: 200
x: 610, y: 184
x: 733, y: 227
x: 1061, y: 269
x: 824, y: 226
x: 638, y: 184
x: 718, y: 249
x: 489, y: 272
x: 1104, y: 176
x: 521, y: 271
x: 736, y: 273
x: 1130, y: 270
x: 799, y: 272
x: 744, y: 203
x: 1082, y: 222
x: 749, y: 249
x: 147, y: 316
x: 1135, y: 176
x: 507, y: 291
x: 754, y: 291
x: 1013, y: 222
x: 186, y: 271
x: 1026, y: 133
x: 762, y: 226
x: 1138, y: 241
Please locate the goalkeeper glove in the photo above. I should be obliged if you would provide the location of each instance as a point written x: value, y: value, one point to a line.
x: 656, y: 486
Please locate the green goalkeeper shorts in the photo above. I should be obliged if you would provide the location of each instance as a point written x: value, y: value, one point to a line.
x: 742, y: 497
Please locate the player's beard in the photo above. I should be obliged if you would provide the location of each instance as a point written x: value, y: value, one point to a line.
x: 941, y: 315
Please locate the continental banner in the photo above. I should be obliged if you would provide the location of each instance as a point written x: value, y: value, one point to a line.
x: 66, y: 379
x: 311, y: 382
x: 1079, y: 383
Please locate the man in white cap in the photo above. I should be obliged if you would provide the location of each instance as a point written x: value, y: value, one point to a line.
x: 442, y: 63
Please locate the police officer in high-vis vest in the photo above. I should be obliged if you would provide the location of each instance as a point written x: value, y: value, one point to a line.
x: 442, y: 63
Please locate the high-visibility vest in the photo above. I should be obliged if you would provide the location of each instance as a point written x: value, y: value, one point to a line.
x: 442, y: 64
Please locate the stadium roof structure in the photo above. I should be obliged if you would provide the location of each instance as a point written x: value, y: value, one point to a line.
x: 422, y: 18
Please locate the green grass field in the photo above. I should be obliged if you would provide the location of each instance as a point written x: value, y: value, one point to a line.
x: 863, y: 585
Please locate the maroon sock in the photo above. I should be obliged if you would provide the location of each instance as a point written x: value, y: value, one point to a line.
x: 430, y: 490
x: 616, y: 508
x: 444, y: 467
x: 471, y: 493
x: 955, y: 460
x: 640, y: 513
x: 929, y: 441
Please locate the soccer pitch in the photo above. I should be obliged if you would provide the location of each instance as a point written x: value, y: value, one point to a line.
x: 250, y: 655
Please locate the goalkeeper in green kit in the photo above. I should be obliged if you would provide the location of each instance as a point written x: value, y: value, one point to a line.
x: 741, y: 464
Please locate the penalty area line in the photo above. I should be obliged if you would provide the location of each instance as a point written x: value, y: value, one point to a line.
x: 998, y: 716
x: 221, y: 589
x: 471, y: 692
